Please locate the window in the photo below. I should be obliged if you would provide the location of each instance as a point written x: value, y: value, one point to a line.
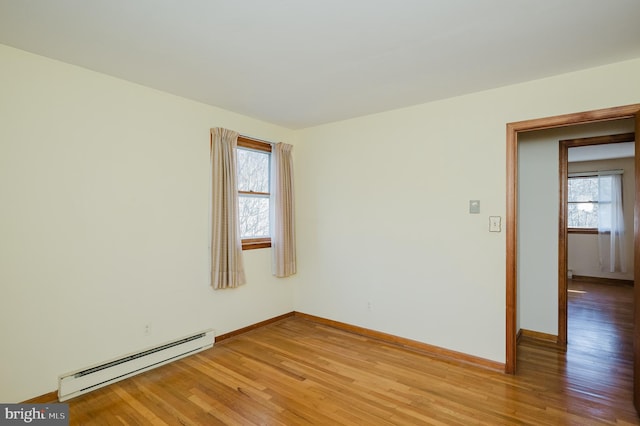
x: 254, y: 164
x: 583, y: 202
x: 588, y: 198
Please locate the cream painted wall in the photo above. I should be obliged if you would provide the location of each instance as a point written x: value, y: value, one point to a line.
x: 383, y: 209
x: 538, y: 233
x: 583, y: 248
x: 104, y: 222
x: 538, y: 180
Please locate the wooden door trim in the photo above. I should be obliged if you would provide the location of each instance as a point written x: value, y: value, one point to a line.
x: 616, y: 113
x: 563, y: 241
x: 636, y: 273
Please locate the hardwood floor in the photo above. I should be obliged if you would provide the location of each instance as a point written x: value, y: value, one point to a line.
x: 297, y: 372
x: 595, y: 375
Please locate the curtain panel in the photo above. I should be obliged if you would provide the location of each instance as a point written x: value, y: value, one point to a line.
x: 611, y: 224
x: 283, y: 239
x: 227, y: 266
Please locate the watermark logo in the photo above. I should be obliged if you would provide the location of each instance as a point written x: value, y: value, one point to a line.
x: 34, y: 414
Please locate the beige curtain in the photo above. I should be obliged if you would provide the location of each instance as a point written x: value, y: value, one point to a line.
x: 283, y: 240
x: 227, y: 268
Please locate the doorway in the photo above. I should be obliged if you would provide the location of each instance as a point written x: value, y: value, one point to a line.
x: 580, y: 246
x: 513, y: 129
x: 540, y: 179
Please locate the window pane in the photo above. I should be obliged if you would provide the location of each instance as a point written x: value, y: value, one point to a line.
x: 253, y: 170
x: 605, y: 189
x: 597, y: 212
x: 583, y: 189
x: 583, y: 215
x: 254, y: 216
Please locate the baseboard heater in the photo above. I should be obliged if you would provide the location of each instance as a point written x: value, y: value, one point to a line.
x: 82, y: 381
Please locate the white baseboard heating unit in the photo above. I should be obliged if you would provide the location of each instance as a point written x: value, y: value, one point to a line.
x: 82, y: 381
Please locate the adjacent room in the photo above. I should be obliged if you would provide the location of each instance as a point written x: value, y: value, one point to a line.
x: 401, y: 258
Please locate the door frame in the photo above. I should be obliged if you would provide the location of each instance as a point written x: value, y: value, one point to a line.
x: 607, y: 114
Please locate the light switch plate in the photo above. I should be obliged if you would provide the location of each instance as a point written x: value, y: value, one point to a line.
x: 495, y: 224
x: 474, y: 206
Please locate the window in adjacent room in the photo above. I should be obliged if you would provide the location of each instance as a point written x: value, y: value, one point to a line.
x: 254, y: 172
x: 588, y: 197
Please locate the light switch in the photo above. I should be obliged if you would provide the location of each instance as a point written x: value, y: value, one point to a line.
x: 495, y: 223
x: 474, y: 206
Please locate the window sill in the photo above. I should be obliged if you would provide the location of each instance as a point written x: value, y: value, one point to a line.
x: 256, y: 243
x: 582, y: 230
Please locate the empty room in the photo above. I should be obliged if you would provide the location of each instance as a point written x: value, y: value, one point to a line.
x: 286, y: 212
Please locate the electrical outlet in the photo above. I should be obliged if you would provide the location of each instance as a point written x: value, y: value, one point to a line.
x: 147, y: 329
x: 369, y: 306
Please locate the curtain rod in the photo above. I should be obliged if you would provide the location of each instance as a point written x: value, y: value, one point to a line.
x: 597, y: 173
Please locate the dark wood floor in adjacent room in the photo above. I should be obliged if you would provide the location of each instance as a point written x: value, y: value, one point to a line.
x: 297, y: 372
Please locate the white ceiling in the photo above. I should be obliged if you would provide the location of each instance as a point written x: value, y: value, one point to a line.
x: 300, y: 63
x: 601, y: 152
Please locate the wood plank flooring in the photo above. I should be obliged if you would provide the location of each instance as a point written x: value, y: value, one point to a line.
x: 595, y: 375
x: 297, y: 372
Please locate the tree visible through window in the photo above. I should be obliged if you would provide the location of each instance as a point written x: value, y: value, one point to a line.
x: 254, y: 163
